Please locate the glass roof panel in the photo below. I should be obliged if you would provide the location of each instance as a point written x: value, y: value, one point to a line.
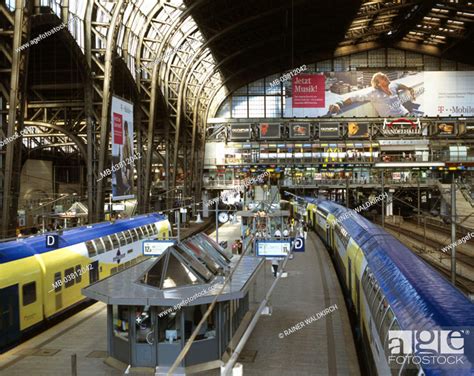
x: 178, y: 274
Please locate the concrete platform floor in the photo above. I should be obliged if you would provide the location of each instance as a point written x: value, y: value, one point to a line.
x: 322, y: 347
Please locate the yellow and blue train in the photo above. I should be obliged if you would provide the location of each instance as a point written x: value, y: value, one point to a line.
x: 34, y: 282
x: 390, y: 289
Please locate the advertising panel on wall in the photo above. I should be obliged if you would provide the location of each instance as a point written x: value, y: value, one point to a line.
x: 299, y: 131
x: 240, y: 132
x: 122, y: 149
x: 269, y: 131
x: 328, y: 130
x: 357, y: 130
x: 466, y: 128
x: 308, y: 91
x: 383, y: 94
x: 445, y: 128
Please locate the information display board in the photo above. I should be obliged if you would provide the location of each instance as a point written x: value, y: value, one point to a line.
x: 156, y: 247
x: 273, y: 248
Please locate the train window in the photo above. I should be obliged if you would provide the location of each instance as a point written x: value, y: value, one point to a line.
x: 57, y: 282
x: 115, y: 241
x: 380, y: 313
x: 78, y: 273
x: 121, y: 238
x: 128, y: 236
x: 134, y: 234
x: 376, y: 303
x: 150, y: 230
x: 108, y: 243
x: 99, y: 245
x: 113, y: 270
x: 29, y: 293
x: 141, y: 233
x: 386, y: 323
x: 91, y: 249
x: 68, y: 277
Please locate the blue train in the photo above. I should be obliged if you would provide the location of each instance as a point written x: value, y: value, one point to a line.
x: 411, y: 320
x: 38, y: 283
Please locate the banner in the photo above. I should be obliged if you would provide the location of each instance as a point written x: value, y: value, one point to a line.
x: 122, y: 149
x: 357, y: 130
x: 381, y: 94
x: 299, y: 131
x: 308, y: 91
x: 269, y: 131
x: 240, y: 132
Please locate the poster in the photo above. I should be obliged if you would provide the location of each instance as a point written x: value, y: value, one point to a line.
x: 240, y: 132
x: 299, y: 131
x: 386, y: 94
x: 357, y: 130
x: 308, y: 91
x: 466, y: 128
x: 328, y: 130
x: 122, y: 149
x: 269, y: 131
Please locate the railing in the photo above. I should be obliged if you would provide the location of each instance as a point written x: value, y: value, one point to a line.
x: 311, y: 182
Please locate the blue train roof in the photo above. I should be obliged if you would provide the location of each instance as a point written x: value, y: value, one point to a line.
x: 25, y: 247
x: 420, y: 297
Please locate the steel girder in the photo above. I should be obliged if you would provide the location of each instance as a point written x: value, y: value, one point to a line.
x: 16, y: 101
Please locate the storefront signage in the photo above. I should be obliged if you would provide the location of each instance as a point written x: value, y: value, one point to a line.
x: 357, y: 130
x: 240, y: 132
x: 328, y: 130
x: 401, y: 126
x: 299, y: 131
x: 269, y: 131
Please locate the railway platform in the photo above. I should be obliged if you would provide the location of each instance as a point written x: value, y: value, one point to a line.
x: 321, y: 347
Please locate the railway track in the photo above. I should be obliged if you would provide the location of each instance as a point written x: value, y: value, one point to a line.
x: 463, y: 260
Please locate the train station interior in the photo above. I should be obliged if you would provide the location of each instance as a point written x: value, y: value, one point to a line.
x: 197, y: 187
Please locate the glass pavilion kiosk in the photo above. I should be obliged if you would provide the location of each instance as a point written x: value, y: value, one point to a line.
x: 145, y: 326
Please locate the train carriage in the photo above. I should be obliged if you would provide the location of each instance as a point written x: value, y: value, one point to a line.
x: 37, y: 283
x: 389, y: 288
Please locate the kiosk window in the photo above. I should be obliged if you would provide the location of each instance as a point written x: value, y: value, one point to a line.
x: 120, y: 321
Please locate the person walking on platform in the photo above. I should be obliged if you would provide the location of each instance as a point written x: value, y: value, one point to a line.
x: 305, y: 230
x: 275, y: 264
x: 277, y: 233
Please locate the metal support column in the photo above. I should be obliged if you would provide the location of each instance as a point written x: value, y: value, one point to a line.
x: 453, y: 231
x: 383, y: 200
x: 419, y: 199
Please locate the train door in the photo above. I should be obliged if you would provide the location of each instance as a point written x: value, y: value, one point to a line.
x: 9, y: 315
x: 94, y: 272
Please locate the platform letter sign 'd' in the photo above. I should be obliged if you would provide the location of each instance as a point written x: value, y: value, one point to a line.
x: 299, y: 245
x: 52, y: 241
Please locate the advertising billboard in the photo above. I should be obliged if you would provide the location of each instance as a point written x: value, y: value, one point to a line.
x: 328, y: 130
x: 122, y: 149
x: 466, y: 128
x: 299, y: 131
x: 357, y: 130
x: 308, y: 91
x: 384, y: 94
x: 269, y: 131
x: 240, y: 132
x: 445, y: 128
